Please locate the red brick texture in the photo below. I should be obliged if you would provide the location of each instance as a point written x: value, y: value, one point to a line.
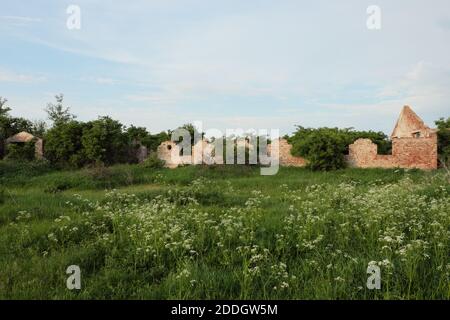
x: 286, y: 158
x: 420, y: 153
x: 414, y: 145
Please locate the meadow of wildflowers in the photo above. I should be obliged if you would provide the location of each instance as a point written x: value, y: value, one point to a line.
x: 195, y: 233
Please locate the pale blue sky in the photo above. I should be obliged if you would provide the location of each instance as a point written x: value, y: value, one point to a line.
x: 229, y: 63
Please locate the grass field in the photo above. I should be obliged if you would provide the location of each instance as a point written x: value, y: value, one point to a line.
x: 223, y: 232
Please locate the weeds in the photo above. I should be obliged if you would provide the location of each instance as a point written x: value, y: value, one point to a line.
x: 299, y: 235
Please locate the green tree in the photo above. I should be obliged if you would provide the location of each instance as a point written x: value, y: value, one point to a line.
x: 21, y: 151
x: 443, y: 126
x: 63, y: 146
x: 136, y: 134
x: 57, y: 112
x: 3, y: 109
x: 325, y: 148
x: 10, y: 125
x: 193, y: 131
x: 152, y: 141
x: 39, y: 127
x: 104, y: 141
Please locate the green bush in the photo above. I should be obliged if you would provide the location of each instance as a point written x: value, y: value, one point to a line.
x: 21, y: 151
x: 324, y: 148
x: 2, y: 195
x: 99, y: 172
x: 443, y: 140
x: 153, y: 161
x: 56, y: 187
x: 103, y: 141
x: 63, y: 146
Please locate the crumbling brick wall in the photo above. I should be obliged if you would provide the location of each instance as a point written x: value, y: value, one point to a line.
x: 286, y: 158
x: 202, y: 154
x: 420, y: 153
x: 363, y: 154
x: 170, y: 153
x: 39, y: 149
x: 414, y: 145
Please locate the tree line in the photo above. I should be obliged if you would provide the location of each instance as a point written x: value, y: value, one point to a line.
x: 73, y: 143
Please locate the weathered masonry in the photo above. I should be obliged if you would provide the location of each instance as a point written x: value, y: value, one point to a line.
x: 25, y: 137
x: 414, y: 145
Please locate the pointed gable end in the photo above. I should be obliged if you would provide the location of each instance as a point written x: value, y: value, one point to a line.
x: 409, y: 125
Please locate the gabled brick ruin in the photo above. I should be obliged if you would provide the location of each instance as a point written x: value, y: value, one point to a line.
x: 414, y: 145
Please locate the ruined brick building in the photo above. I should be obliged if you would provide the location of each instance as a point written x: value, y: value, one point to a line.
x: 25, y: 137
x: 414, y: 145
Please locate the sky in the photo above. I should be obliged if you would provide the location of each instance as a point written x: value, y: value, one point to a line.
x: 229, y: 63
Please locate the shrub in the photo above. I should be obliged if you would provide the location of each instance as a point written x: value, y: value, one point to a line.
x: 12, y: 169
x: 56, y: 187
x: 103, y: 141
x: 99, y: 172
x: 443, y: 140
x: 325, y: 148
x: 153, y: 161
x: 63, y: 145
x: 21, y: 151
x: 2, y: 196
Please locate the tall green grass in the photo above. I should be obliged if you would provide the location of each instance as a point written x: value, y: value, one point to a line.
x: 202, y: 232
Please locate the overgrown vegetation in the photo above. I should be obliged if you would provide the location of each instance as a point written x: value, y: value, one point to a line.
x: 73, y: 144
x: 443, y: 127
x: 223, y: 232
x: 21, y: 151
x: 11, y: 125
x: 324, y: 148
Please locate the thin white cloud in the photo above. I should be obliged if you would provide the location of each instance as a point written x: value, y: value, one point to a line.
x: 11, y: 76
x: 19, y: 20
x: 100, y: 80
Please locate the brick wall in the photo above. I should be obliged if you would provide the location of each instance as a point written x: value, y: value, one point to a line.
x: 418, y: 153
x: 415, y: 152
x: 286, y: 158
x: 411, y: 152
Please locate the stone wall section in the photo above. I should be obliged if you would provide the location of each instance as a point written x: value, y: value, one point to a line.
x: 286, y: 158
x: 408, y: 153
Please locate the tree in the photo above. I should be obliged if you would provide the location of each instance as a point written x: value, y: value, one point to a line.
x: 104, y: 141
x: 443, y: 126
x: 10, y: 125
x: 325, y: 148
x: 57, y: 112
x: 63, y: 145
x: 39, y: 128
x: 193, y: 131
x: 21, y: 151
x: 3, y: 109
x: 152, y: 141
